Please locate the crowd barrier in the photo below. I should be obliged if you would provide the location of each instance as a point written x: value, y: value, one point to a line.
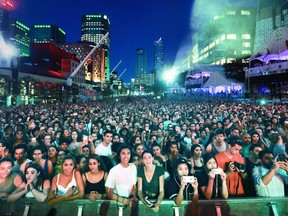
x: 231, y: 207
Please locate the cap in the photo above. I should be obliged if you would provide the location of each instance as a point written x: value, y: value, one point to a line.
x: 182, y: 160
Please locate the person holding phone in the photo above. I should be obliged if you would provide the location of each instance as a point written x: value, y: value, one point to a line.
x: 212, y: 180
x: 270, y: 178
x: 68, y: 184
x: 180, y: 187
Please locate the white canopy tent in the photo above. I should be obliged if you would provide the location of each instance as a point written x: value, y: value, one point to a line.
x: 216, y: 82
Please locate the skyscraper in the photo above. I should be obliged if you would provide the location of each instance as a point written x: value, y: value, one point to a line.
x: 140, y: 64
x: 158, y: 57
x: 94, y: 27
x: 140, y: 61
x: 142, y: 76
x: 47, y: 34
x: 19, y: 37
x: 5, y: 6
x: 270, y: 15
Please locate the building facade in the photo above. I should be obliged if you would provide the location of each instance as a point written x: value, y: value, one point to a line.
x: 93, y: 29
x: 19, y: 35
x: 158, y: 58
x: 5, y: 7
x: 267, y: 70
x: 47, y: 34
x: 270, y: 15
x: 230, y: 35
x: 92, y: 66
x: 141, y: 65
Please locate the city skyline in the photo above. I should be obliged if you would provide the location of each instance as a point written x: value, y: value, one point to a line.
x: 133, y: 25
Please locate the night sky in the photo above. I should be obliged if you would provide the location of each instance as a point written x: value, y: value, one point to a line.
x: 134, y: 24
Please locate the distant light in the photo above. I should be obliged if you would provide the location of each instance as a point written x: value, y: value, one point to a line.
x: 105, y: 17
x: 8, y: 51
x: 263, y: 102
x: 158, y: 97
x: 169, y: 75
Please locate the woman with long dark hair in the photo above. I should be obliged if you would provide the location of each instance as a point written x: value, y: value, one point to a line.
x: 36, y: 185
x: 196, y: 159
x: 183, y: 186
x: 212, y: 181
x: 150, y: 182
x: 9, y: 180
x: 94, y: 179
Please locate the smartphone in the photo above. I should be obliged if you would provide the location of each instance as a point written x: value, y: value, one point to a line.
x: 189, y: 179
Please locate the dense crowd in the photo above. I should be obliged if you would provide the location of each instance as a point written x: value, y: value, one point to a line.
x: 143, y: 149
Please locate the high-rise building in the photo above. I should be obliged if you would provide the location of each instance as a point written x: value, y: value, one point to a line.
x: 229, y: 36
x: 141, y: 65
x: 47, y: 34
x: 158, y: 58
x: 19, y: 37
x: 270, y: 15
x: 81, y: 49
x: 141, y: 62
x: 93, y: 29
x: 5, y: 6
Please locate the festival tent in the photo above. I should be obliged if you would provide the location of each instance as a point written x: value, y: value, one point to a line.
x: 217, y: 79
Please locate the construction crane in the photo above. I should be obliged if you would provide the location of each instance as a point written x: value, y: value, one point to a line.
x: 69, y: 79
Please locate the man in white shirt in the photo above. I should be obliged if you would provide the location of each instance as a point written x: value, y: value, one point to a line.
x: 104, y: 148
x: 270, y: 177
x: 122, y: 178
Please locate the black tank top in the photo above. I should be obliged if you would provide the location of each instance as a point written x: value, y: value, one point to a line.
x: 99, y: 186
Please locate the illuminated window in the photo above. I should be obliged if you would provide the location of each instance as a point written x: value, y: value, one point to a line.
x: 231, y: 36
x: 245, y: 12
x: 246, y: 44
x: 246, y: 52
x: 231, y: 12
x: 246, y: 36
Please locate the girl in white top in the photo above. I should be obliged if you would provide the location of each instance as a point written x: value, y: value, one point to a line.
x: 68, y: 184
